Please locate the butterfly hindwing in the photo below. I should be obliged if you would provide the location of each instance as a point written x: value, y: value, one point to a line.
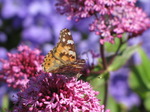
x: 50, y: 62
x: 71, y: 68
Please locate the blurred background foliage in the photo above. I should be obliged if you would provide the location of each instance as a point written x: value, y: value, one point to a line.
x: 37, y: 24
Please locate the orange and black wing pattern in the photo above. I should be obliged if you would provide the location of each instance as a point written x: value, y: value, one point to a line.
x: 62, y: 59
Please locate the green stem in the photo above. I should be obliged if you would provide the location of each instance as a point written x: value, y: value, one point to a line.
x: 104, y: 62
x: 103, y: 56
x: 105, y: 93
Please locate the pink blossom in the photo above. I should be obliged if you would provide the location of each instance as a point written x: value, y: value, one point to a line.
x: 58, y: 93
x: 112, y: 17
x: 86, y: 8
x: 21, y: 66
x: 127, y: 19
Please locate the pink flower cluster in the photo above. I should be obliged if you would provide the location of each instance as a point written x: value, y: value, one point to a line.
x: 21, y: 66
x: 127, y: 19
x: 42, y: 92
x: 58, y: 93
x: 112, y: 17
x: 86, y: 8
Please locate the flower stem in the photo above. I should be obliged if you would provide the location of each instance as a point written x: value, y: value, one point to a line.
x: 104, y: 62
x: 105, y: 93
x: 103, y: 57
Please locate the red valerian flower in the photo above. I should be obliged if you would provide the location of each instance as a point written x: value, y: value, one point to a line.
x: 86, y: 8
x: 21, y: 66
x: 112, y: 18
x: 58, y: 93
x: 125, y: 19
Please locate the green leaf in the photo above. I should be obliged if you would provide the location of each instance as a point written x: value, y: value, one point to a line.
x: 139, y: 79
x: 121, y: 60
x: 5, y: 102
x: 113, y: 47
x: 147, y: 102
x: 113, y: 105
x: 145, y: 67
x: 97, y: 84
x: 137, y: 84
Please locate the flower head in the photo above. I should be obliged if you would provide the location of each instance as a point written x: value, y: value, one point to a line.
x: 21, y: 66
x: 86, y: 8
x: 58, y: 93
x: 112, y: 18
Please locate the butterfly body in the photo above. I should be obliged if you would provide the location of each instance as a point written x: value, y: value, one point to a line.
x: 62, y: 59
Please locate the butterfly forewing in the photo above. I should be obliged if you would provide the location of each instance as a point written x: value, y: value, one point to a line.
x: 62, y: 59
x: 65, y: 49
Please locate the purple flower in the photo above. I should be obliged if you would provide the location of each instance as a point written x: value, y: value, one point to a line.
x: 46, y: 48
x: 135, y: 59
x: 3, y: 37
x: 37, y: 34
x: 21, y: 66
x: 89, y: 50
x: 145, y: 4
x: 83, y: 25
x: 144, y: 40
x: 57, y: 93
x: 120, y: 90
x: 11, y: 8
x: 39, y: 7
x: 89, y: 44
x: 91, y: 58
x: 3, y: 52
x: 58, y: 25
x: 36, y: 20
x: 23, y: 8
x: 3, y: 90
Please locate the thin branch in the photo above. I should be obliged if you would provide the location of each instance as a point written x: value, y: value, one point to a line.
x: 104, y: 62
x: 105, y: 93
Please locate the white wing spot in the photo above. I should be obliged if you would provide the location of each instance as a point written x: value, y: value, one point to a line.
x: 69, y: 33
x: 63, y: 39
x: 70, y: 42
x: 72, y: 53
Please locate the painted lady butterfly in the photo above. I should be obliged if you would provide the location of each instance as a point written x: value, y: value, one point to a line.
x: 62, y: 59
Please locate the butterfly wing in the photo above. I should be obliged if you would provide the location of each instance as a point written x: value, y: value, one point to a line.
x: 63, y: 54
x: 65, y: 49
x: 70, y: 69
x: 50, y: 62
x: 62, y: 59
